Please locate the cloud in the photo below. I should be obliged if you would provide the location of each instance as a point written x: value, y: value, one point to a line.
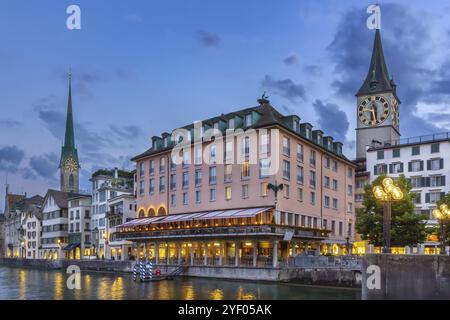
x: 412, y: 53
x: 291, y: 59
x: 208, y: 39
x: 10, y: 158
x: 285, y: 88
x: 28, y: 174
x: 312, y: 70
x: 332, y: 120
x: 83, y: 82
x: 126, y: 132
x: 45, y: 165
x: 9, y: 124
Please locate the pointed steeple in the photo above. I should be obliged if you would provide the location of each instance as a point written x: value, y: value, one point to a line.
x: 377, y: 79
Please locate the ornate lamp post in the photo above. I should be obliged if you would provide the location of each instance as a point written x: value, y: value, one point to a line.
x: 387, y: 193
x: 442, y: 214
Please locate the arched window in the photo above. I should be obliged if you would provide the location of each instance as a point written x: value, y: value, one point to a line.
x: 151, y: 212
x: 161, y: 211
x: 141, y: 213
x: 45, y: 255
x: 55, y: 255
x: 71, y: 183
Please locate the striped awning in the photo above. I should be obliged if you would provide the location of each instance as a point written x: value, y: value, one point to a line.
x: 210, y: 215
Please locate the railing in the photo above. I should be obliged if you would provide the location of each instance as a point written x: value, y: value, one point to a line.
x: 311, y: 261
x: 414, y: 140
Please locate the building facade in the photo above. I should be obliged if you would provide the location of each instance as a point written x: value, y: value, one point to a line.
x: 80, y: 243
x: 106, y: 185
x: 31, y: 212
x: 229, y: 185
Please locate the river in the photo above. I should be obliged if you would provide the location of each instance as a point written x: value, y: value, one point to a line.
x: 31, y: 284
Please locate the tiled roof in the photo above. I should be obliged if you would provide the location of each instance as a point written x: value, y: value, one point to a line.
x: 12, y: 200
x: 61, y: 197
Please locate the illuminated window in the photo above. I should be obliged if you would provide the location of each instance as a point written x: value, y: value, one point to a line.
x: 245, y: 169
x: 228, y: 193
x: 264, y: 189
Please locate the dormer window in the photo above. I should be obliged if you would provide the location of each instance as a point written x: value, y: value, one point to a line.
x: 248, y: 120
x: 308, y: 133
x: 231, y: 124
x: 216, y: 125
x: 329, y: 145
x: 296, y: 125
x: 165, y: 143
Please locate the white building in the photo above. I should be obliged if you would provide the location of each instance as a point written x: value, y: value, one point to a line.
x: 424, y: 160
x: 80, y: 243
x: 32, y: 226
x: 121, y: 209
x: 106, y: 184
x: 54, y: 225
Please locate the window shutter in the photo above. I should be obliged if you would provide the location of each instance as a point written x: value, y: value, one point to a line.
x: 375, y: 171
x: 442, y: 195
x: 427, y: 198
x: 418, y: 198
x: 401, y: 167
x: 422, y: 183
x: 421, y: 165
x: 441, y: 163
x: 385, y: 168
x: 428, y: 181
x: 409, y: 166
x: 428, y: 164
x: 442, y: 181
x: 390, y: 168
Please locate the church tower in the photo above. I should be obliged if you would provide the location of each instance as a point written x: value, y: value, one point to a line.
x: 69, y: 165
x: 377, y: 104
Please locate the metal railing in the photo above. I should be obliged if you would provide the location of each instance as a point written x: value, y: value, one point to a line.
x: 413, y: 140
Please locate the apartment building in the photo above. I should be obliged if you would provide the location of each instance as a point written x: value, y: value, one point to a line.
x: 80, y: 245
x: 225, y: 186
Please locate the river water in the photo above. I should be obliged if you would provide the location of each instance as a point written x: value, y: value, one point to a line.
x: 25, y: 283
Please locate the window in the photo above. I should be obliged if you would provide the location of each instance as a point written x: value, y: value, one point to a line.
x: 212, y: 175
x: 312, y: 198
x: 264, y: 143
x: 264, y: 189
x: 186, y: 159
x: 437, y: 181
x: 300, y: 175
x: 433, y: 197
x: 245, y: 146
x: 296, y: 125
x: 264, y: 168
x: 287, y: 191
x: 380, y: 154
x: 349, y: 172
x: 198, y: 178
x: 228, y: 193
x: 379, y: 169
x: 173, y: 165
x: 333, y: 227
x: 198, y: 196
x: 396, y: 153
x: 396, y: 167
x: 335, y: 166
x: 349, y: 207
x: 326, y: 182
x: 341, y: 228
x: 245, y: 169
x: 312, y: 179
x: 435, y: 164
x: 162, y: 184
x: 152, y: 186
x: 334, y: 185
x: 415, y: 166
x: 245, y: 191
x: 300, y: 154
x: 185, y: 198
x: 173, y: 182
x: 300, y: 194
x: 212, y: 194
x: 141, y: 169
x: 286, y: 147
x: 198, y: 156
x: 327, y: 163
x: 326, y: 201
x: 417, y: 197
x: 325, y: 224
x: 415, y: 150
x: 162, y: 164
x: 172, y: 200
x: 286, y: 169
x: 335, y: 203
x: 229, y: 151
x: 435, y: 148
x: 185, y: 179
x: 231, y: 124
x: 248, y: 120
x: 212, y: 153
x: 350, y: 190
x: 312, y: 158
x: 228, y: 173
x: 151, y: 167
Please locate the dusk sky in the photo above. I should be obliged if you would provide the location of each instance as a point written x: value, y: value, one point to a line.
x: 142, y: 67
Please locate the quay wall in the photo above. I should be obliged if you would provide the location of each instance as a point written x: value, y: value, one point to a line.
x: 405, y: 277
x: 340, y: 277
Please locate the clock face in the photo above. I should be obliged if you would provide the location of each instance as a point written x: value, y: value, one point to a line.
x: 71, y: 165
x: 373, y: 111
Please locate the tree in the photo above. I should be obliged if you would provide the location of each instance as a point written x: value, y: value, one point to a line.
x: 407, y: 227
x: 436, y: 230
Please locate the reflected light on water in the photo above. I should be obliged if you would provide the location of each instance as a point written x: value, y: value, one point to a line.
x: 59, y: 287
x: 103, y: 290
x: 23, y: 284
x: 117, y: 289
x: 188, y: 293
x: 216, y: 294
x: 243, y: 295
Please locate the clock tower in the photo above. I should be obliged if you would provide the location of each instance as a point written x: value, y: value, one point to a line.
x: 378, y: 106
x: 69, y: 165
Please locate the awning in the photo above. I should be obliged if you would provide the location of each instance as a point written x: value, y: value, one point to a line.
x: 71, y: 246
x: 210, y: 215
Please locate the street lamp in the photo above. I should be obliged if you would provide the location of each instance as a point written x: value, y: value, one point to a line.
x: 387, y: 193
x: 442, y: 214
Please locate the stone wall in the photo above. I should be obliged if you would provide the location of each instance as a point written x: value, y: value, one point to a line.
x: 411, y: 277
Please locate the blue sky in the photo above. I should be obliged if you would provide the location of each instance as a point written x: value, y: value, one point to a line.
x: 143, y: 67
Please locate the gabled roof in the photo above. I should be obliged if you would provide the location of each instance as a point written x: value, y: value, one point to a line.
x: 377, y: 79
x: 12, y: 200
x: 61, y: 197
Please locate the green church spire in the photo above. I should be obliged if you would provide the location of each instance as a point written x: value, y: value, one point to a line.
x: 377, y: 79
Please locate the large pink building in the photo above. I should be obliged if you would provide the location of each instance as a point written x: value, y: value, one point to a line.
x: 250, y: 187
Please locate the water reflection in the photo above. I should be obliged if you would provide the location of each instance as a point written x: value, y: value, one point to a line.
x: 18, y: 283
